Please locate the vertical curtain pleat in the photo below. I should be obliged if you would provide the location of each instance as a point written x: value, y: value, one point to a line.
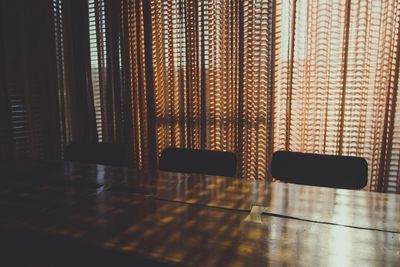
x: 336, y: 73
x: 389, y: 175
x: 135, y: 62
x: 106, y: 71
x: 251, y: 77
x: 202, y: 99
x: 114, y: 100
x: 99, y: 55
x: 259, y: 76
x: 74, y: 70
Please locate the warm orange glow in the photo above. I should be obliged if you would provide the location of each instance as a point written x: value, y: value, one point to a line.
x: 199, y: 100
x: 343, y: 66
x: 251, y: 77
x: 305, y: 76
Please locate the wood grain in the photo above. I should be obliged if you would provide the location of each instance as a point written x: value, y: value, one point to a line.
x: 196, y: 220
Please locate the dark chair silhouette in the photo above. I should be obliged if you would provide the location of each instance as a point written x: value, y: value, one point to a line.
x: 98, y: 153
x: 320, y: 170
x: 198, y: 161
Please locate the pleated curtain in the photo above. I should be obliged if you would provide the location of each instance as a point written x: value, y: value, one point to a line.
x: 212, y: 78
x: 254, y: 77
x: 251, y: 77
x: 103, y: 80
x: 336, y: 82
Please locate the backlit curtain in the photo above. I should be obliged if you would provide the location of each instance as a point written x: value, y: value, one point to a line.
x: 336, y: 82
x: 251, y: 77
x: 212, y: 78
x: 105, y: 93
x: 75, y: 95
x: 254, y: 77
x: 138, y: 79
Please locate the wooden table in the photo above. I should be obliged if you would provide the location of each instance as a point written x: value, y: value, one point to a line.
x: 64, y: 213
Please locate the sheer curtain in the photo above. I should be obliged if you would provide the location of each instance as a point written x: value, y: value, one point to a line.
x: 336, y: 82
x: 212, y: 78
x: 105, y: 93
x: 251, y: 77
x: 75, y: 96
x: 259, y: 76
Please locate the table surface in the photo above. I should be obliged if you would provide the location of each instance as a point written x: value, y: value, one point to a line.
x: 199, y: 220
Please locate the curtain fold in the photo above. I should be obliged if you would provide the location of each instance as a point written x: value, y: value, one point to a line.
x: 74, y: 68
x: 105, y: 75
x: 254, y: 77
x: 136, y: 63
x: 336, y: 82
x: 212, y: 78
x: 250, y: 77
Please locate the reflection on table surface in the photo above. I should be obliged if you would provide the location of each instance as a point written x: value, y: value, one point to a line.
x: 199, y: 220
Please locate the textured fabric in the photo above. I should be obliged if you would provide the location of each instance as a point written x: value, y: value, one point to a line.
x: 103, y: 79
x: 336, y: 82
x: 250, y: 77
x: 212, y: 78
x: 76, y: 105
x: 260, y: 76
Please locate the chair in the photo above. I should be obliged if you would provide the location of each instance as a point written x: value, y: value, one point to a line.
x: 320, y: 170
x: 198, y: 161
x: 98, y: 153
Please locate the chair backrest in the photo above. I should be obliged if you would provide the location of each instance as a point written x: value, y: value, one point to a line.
x: 98, y: 153
x: 198, y: 161
x: 320, y: 170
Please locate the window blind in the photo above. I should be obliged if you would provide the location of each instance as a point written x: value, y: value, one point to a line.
x: 5, y: 133
x: 28, y: 79
x: 18, y: 89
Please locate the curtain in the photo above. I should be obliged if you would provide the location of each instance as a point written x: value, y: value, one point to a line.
x: 336, y: 82
x: 212, y: 78
x: 105, y: 75
x: 254, y: 77
x: 251, y: 77
x: 138, y: 79
x: 76, y: 104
